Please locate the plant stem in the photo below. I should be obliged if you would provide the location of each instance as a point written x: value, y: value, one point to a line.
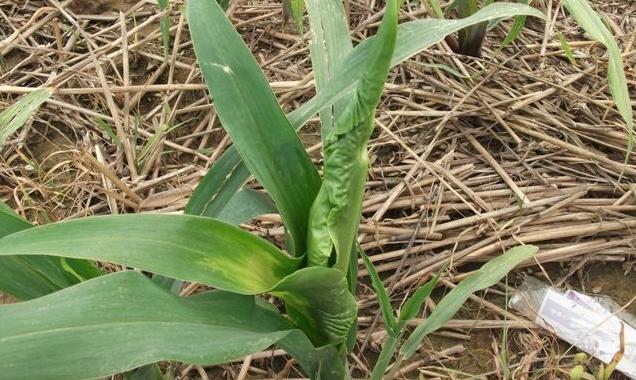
x: 396, y: 366
x: 385, y: 356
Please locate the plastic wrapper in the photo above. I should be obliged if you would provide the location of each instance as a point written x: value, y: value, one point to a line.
x: 591, y: 324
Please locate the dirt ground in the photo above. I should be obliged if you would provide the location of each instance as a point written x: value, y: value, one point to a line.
x: 452, y: 134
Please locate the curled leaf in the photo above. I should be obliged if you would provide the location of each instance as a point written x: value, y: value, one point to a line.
x: 334, y: 216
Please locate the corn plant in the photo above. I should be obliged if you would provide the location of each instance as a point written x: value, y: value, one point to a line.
x: 592, y: 23
x: 101, y: 324
x: 471, y: 39
x: 14, y: 117
x: 294, y: 9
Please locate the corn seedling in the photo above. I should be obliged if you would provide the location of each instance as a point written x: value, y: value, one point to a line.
x: 108, y: 130
x: 472, y: 37
x: 591, y: 22
x: 295, y: 10
x: 29, y: 277
x: 515, y: 29
x: 336, y: 67
x: 164, y: 25
x: 14, y: 117
x: 567, y: 49
x: 111, y: 323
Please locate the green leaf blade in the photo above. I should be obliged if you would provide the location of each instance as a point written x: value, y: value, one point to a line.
x: 252, y: 117
x: 381, y: 293
x: 10, y: 222
x: 27, y: 277
x: 324, y: 363
x: 413, y: 305
x: 567, y: 49
x: 591, y: 22
x: 485, y: 277
x: 183, y: 247
x: 517, y: 26
x: 31, y: 277
x: 245, y: 205
x: 412, y: 38
x: 330, y: 46
x: 14, y: 117
x: 219, y: 185
x: 123, y: 320
x: 200, y: 250
x: 295, y: 8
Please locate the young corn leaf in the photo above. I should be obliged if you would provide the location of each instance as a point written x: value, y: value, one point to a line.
x: 485, y: 277
x: 517, y: 26
x: 229, y: 173
x: 409, y: 311
x: 164, y: 25
x: 330, y: 46
x: 470, y: 38
x: 295, y: 9
x: 121, y: 321
x: 319, y: 303
x: 236, y: 206
x: 591, y: 22
x: 383, y: 296
x: 219, y: 185
x: 437, y: 8
x: 245, y: 205
x: 27, y: 277
x: 23, y: 277
x: 202, y: 250
x: 323, y: 363
x: 10, y: 222
x: 82, y: 269
x: 335, y: 214
x: 413, y: 37
x: 252, y: 117
x: 494, y: 22
x: 184, y: 247
x: 14, y: 117
x: 412, y: 306
x: 569, y: 54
